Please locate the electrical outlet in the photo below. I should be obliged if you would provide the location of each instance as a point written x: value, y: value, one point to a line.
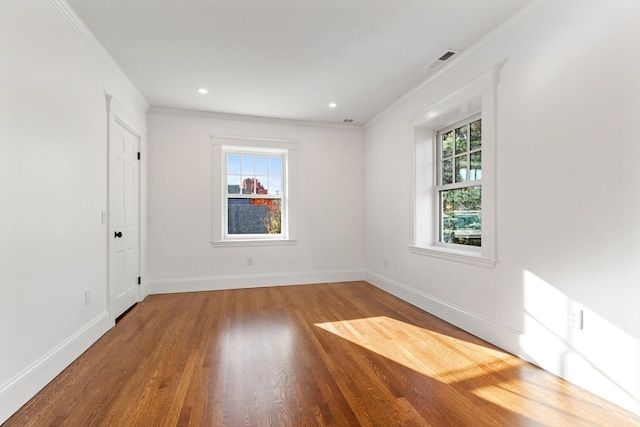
x: 385, y: 262
x: 575, y: 318
x: 249, y: 260
x: 87, y: 296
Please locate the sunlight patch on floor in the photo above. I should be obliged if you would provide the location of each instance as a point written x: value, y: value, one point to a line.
x: 489, y: 374
x: 413, y: 347
x: 535, y: 403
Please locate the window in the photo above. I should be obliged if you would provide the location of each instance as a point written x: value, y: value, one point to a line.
x: 255, y: 194
x: 455, y: 175
x: 459, y: 183
x: 254, y: 197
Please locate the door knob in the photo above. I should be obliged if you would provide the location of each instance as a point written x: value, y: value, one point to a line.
x: 118, y: 234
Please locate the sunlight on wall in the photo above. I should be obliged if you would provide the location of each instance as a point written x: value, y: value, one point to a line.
x: 598, y: 357
x: 545, y: 323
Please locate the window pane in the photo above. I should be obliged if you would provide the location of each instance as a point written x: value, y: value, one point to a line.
x: 447, y: 171
x: 233, y: 164
x: 262, y: 166
x: 275, y: 186
x: 248, y: 165
x: 248, y: 185
x: 261, y: 183
x: 461, y: 216
x: 447, y: 144
x: 461, y: 168
x: 234, y: 184
x: 461, y: 139
x: 475, y: 170
x: 275, y: 166
x: 254, y: 216
x: 475, y: 139
x: 275, y: 176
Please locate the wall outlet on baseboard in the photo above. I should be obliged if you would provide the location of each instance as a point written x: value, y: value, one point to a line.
x: 249, y: 260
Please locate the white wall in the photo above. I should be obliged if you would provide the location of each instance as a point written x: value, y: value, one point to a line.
x: 52, y: 191
x: 330, y: 206
x: 568, y: 197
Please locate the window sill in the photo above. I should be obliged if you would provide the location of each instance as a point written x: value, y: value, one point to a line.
x: 266, y: 242
x: 467, y: 257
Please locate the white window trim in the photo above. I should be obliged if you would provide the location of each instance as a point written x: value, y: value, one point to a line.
x: 220, y: 144
x: 478, y: 96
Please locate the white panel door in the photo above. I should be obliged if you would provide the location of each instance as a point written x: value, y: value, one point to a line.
x: 123, y: 218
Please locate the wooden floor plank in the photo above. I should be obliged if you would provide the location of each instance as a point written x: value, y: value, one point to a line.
x: 342, y: 354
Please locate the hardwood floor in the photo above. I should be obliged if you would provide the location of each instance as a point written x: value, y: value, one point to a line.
x: 344, y: 354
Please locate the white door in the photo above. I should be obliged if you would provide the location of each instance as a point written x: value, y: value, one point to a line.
x: 123, y: 218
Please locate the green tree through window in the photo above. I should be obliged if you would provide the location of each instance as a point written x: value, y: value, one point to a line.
x: 459, y: 183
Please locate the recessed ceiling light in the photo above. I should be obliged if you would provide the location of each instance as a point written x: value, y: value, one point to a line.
x: 333, y: 105
x: 203, y: 90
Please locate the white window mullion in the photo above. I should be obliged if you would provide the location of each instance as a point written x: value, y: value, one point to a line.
x: 254, y: 180
x: 456, y: 185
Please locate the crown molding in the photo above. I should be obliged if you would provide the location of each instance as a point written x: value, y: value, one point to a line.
x: 251, y: 119
x: 94, y: 44
x: 459, y: 59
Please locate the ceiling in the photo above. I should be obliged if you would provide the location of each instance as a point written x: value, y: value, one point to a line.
x: 286, y: 59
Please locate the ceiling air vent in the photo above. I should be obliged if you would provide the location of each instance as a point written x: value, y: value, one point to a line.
x: 444, y: 58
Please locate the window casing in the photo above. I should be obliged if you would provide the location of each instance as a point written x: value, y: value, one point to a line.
x: 253, y: 191
x: 432, y: 237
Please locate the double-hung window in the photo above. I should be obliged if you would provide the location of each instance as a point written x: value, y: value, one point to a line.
x: 459, y: 183
x: 255, y: 194
x: 455, y: 146
x: 254, y: 191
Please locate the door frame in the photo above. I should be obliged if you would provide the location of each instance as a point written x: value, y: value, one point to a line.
x: 117, y: 114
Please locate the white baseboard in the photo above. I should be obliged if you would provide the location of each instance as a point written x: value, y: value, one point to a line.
x: 215, y: 283
x: 18, y: 390
x: 498, y: 335
x: 577, y: 368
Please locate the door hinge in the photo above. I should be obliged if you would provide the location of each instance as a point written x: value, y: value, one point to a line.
x: 138, y: 155
x: 139, y: 280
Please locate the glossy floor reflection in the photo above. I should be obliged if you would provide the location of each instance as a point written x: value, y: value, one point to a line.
x: 342, y: 354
